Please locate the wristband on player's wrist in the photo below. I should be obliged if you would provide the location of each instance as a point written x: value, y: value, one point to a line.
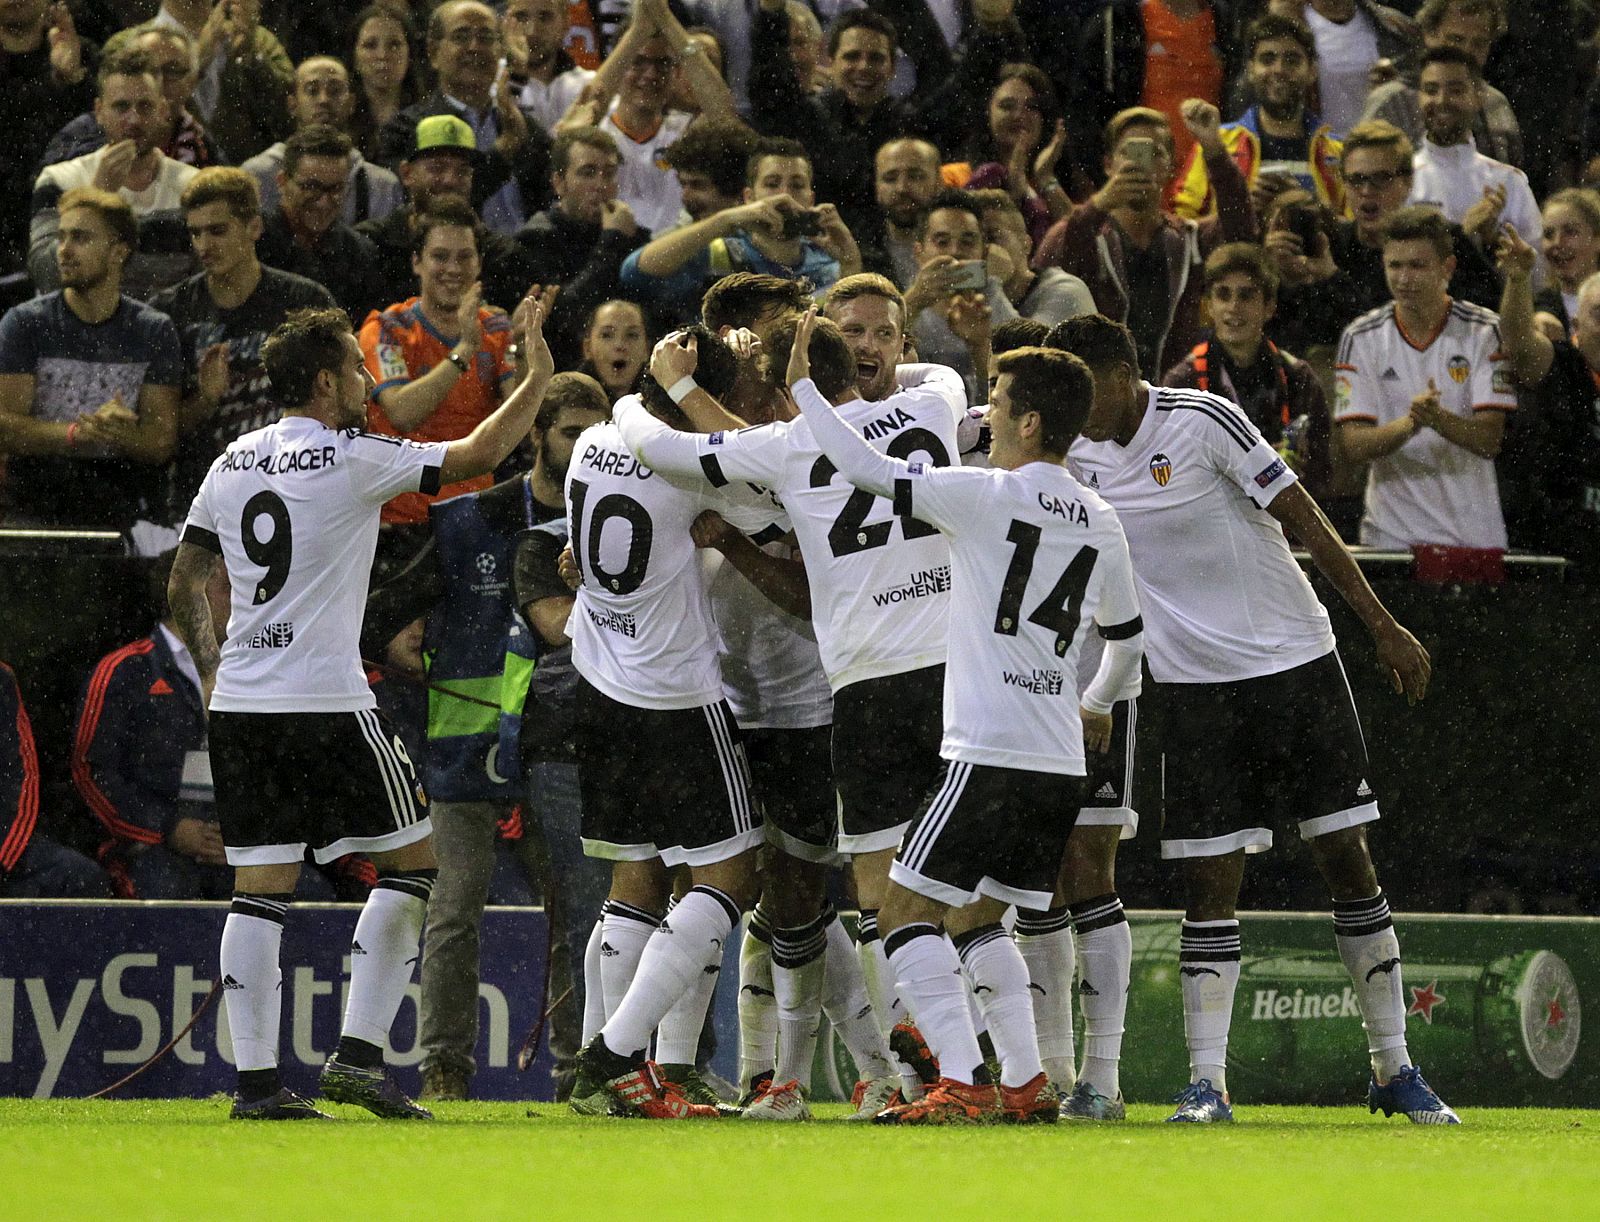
x: 682, y: 388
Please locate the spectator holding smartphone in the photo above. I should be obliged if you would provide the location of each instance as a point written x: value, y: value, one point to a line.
x: 779, y: 230
x: 956, y: 301
x: 1142, y: 263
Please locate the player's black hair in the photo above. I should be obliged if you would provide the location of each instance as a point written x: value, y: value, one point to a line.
x: 305, y: 344
x: 742, y: 299
x: 1101, y: 343
x: 833, y: 364
x: 714, y: 372
x: 1057, y: 385
x: 1017, y: 333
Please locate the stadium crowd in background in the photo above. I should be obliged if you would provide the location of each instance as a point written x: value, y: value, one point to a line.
x: 1374, y: 230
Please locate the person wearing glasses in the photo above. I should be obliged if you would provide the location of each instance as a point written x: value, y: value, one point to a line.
x: 1322, y: 291
x: 512, y: 181
x: 304, y: 234
x: 323, y: 97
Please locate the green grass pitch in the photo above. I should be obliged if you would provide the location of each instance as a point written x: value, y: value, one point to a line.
x: 109, y: 1161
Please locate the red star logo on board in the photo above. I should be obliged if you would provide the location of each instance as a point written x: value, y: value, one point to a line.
x: 1557, y: 1015
x: 1424, y: 999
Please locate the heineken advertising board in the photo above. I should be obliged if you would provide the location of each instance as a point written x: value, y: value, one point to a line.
x: 1495, y: 1012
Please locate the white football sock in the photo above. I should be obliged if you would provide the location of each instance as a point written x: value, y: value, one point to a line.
x: 1000, y: 981
x: 594, y: 991
x: 383, y: 951
x: 624, y: 932
x: 928, y: 973
x: 849, y: 1009
x: 674, y: 960
x: 678, y: 1036
x: 758, y: 1009
x: 1370, y: 951
x: 251, y: 938
x: 1044, y: 939
x: 1105, y: 961
x: 797, y: 973
x: 1208, y: 969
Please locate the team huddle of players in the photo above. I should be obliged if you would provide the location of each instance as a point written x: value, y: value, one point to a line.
x: 974, y: 736
x: 980, y: 616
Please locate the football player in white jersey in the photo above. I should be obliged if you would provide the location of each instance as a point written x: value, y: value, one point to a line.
x: 879, y: 581
x: 1035, y: 558
x: 301, y: 758
x: 796, y: 962
x: 1258, y: 724
x: 664, y: 775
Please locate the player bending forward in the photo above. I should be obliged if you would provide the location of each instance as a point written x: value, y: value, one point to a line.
x: 1034, y: 557
x: 1257, y: 719
x: 301, y: 759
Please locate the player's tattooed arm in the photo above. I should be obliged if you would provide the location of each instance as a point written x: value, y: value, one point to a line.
x: 186, y: 595
x: 1400, y: 655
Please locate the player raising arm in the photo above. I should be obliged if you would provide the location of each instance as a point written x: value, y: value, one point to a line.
x: 301, y: 758
x: 1034, y: 558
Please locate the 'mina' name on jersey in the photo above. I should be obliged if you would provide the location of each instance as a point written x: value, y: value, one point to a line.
x: 880, y: 580
x: 642, y: 629
x: 293, y: 511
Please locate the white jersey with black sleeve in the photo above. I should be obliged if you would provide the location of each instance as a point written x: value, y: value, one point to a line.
x: 293, y: 511
x: 641, y: 627
x: 1035, y: 558
x: 880, y: 582
x: 1221, y: 594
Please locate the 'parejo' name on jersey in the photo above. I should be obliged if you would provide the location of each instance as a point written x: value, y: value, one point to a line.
x: 311, y: 458
x: 614, y: 462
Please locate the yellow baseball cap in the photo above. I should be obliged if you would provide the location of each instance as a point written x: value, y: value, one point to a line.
x: 445, y: 134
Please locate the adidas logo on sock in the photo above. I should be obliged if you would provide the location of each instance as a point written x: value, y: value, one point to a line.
x: 1363, y: 790
x: 1106, y: 791
x: 607, y: 951
x: 357, y: 949
x: 1085, y: 989
x: 228, y: 982
x: 1389, y: 375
